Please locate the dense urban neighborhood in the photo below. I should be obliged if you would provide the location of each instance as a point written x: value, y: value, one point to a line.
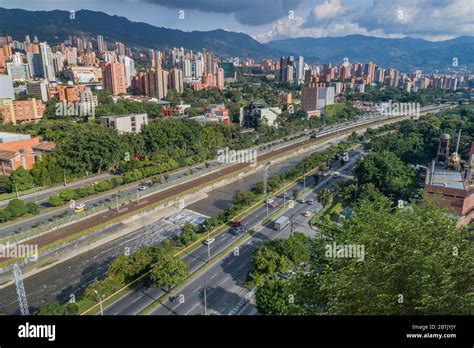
x: 140, y: 179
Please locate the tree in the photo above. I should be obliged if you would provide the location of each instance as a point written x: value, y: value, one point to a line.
x: 416, y: 262
x: 267, y: 261
x: 168, y: 272
x: 188, y: 235
x: 325, y: 197
x: 387, y: 172
x: 276, y: 298
x: 21, y: 179
x: 243, y: 198
x: 17, y: 208
x: 296, y: 194
x: 5, y: 184
x: 58, y: 309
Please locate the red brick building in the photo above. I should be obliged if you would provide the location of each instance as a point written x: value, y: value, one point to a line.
x: 20, y: 150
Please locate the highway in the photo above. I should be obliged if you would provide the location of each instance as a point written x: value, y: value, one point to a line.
x: 25, y: 224
x: 233, y: 268
x: 58, y: 282
x: 71, y: 276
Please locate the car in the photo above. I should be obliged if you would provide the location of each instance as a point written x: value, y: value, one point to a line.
x: 310, y: 201
x: 337, y: 174
x: 209, y: 241
x: 142, y: 188
x: 307, y: 213
x: 79, y: 208
x: 174, y: 299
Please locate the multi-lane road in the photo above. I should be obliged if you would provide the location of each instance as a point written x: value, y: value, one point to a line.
x: 224, y: 279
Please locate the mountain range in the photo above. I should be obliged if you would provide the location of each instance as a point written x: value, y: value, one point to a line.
x: 405, y: 54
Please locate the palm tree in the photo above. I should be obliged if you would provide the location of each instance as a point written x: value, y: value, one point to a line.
x: 325, y: 197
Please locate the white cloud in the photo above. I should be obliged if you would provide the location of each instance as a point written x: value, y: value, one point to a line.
x: 437, y: 20
x: 328, y: 9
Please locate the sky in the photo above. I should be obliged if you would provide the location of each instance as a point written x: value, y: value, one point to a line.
x: 267, y: 20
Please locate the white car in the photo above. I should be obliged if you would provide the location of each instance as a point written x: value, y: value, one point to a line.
x: 209, y: 241
x: 337, y: 174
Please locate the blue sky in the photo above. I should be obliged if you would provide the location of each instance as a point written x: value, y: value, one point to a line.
x: 268, y: 20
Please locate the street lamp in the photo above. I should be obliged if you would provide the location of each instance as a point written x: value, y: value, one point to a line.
x: 100, y: 302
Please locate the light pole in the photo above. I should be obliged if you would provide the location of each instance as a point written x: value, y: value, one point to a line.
x: 208, y: 248
x: 265, y: 179
x: 205, y: 299
x: 100, y: 302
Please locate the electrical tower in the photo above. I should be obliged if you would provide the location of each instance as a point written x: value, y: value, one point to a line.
x: 20, y: 290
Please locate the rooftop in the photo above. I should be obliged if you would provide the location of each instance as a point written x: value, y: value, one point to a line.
x: 447, y: 178
x: 6, y: 137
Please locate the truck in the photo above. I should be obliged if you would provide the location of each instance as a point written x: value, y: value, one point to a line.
x: 281, y: 223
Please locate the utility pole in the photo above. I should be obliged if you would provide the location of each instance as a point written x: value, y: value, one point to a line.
x: 100, y: 302
x: 208, y: 248
x: 116, y: 201
x: 265, y: 180
x: 64, y: 176
x: 20, y: 290
x: 205, y: 299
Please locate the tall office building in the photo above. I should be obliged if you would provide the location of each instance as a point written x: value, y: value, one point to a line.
x: 101, y: 44
x: 113, y: 78
x: 300, y: 69
x: 230, y: 73
x: 287, y: 66
x: 46, y: 62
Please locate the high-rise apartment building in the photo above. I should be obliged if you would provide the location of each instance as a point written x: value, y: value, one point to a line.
x: 309, y: 98
x: 114, y: 78
x: 101, y: 44
x: 176, y: 78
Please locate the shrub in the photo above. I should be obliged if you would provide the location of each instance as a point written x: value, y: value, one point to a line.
x: 17, y: 208
x: 55, y: 201
x: 32, y: 208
